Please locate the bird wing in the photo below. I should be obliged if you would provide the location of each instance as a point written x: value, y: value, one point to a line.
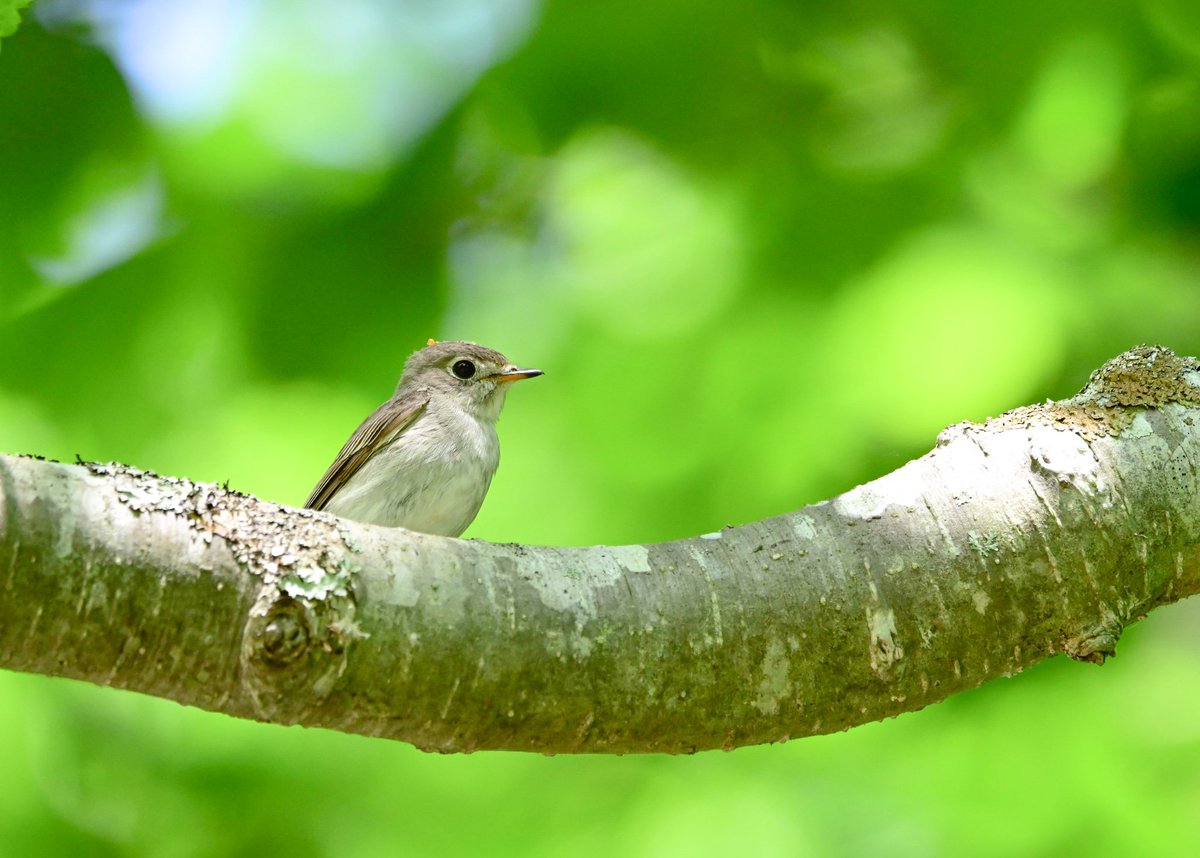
x: 384, y: 423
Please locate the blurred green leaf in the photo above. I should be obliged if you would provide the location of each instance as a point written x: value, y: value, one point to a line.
x: 10, y: 15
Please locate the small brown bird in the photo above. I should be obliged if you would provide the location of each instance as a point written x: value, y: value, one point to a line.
x: 424, y: 459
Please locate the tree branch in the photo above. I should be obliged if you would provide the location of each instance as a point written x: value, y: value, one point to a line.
x: 1046, y: 530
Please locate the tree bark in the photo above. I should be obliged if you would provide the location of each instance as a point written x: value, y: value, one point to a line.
x: 1046, y: 530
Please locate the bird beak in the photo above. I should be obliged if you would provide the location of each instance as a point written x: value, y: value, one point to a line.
x: 511, y: 373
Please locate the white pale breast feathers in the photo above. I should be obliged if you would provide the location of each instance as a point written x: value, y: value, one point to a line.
x: 426, y: 468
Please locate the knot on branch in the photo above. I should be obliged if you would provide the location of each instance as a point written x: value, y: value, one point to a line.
x: 1097, y: 643
x: 294, y: 650
x: 281, y: 637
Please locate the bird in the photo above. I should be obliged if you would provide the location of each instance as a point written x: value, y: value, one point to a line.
x: 424, y: 459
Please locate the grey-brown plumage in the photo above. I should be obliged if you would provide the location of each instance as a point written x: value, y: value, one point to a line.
x: 425, y: 458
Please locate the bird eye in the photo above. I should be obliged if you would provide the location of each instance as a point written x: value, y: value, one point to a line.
x: 463, y: 369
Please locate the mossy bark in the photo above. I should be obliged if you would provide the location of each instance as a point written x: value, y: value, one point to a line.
x: 1044, y: 531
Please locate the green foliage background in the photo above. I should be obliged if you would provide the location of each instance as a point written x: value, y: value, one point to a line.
x: 765, y: 251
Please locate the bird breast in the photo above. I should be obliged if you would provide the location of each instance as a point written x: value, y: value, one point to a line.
x: 432, y: 477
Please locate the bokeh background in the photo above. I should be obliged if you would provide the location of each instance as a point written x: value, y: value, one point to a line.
x: 764, y: 251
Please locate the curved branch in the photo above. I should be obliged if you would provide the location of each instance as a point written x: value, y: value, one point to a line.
x: 1044, y: 531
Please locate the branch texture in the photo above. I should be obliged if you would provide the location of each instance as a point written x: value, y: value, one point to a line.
x: 1046, y: 530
